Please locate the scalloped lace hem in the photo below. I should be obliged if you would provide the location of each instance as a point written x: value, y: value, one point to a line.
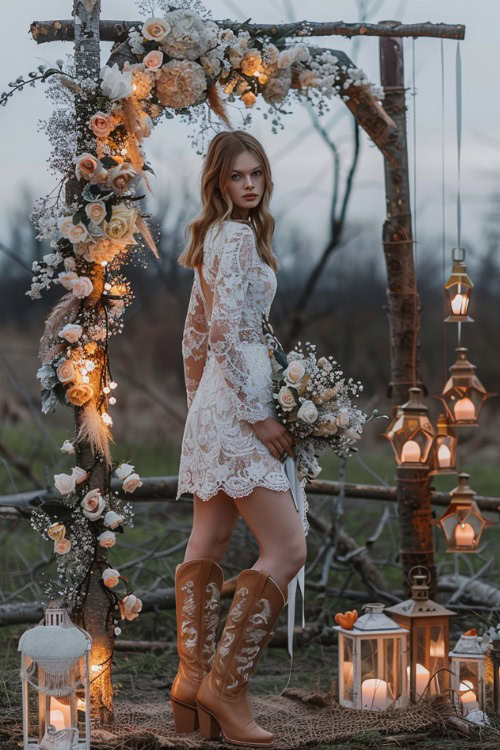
x: 235, y: 494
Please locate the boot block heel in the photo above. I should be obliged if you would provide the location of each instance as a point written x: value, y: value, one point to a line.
x: 185, y: 717
x: 209, y: 726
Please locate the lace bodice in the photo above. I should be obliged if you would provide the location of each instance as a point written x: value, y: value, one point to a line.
x: 241, y: 287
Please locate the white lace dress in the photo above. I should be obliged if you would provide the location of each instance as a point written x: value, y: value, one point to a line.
x: 228, y: 371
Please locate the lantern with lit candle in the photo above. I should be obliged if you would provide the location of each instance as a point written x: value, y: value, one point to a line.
x: 411, y: 433
x: 444, y: 449
x: 467, y: 674
x: 462, y: 523
x: 372, y: 662
x: 55, y: 664
x: 463, y: 394
x: 458, y: 289
x: 428, y: 637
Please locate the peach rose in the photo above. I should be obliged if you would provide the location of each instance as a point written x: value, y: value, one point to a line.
x: 80, y: 394
x: 66, y: 372
x: 107, y: 539
x: 286, y: 399
x: 130, y: 607
x: 64, y: 225
x: 82, y: 287
x: 154, y: 59
x: 96, y: 211
x: 87, y: 166
x: 93, y: 504
x: 100, y: 124
x: 62, y: 547
x: 56, y: 531
x: 119, y: 177
x: 64, y: 483
x: 77, y: 233
x: 155, y: 29
x: 79, y: 474
x: 294, y: 372
x: 71, y: 332
x: 66, y: 279
x: 131, y: 483
x: 112, y: 519
x: 111, y: 577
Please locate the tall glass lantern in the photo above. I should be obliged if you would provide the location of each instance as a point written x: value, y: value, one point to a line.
x: 462, y: 523
x: 458, y: 289
x: 444, y: 449
x: 428, y: 638
x: 467, y: 667
x: 372, y: 662
x: 54, y: 668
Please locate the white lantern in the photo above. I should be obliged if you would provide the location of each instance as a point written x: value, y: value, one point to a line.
x: 55, y: 664
x: 372, y: 662
x: 467, y: 667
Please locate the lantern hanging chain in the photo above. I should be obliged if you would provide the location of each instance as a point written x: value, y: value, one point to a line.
x: 443, y: 214
x: 459, y: 146
x: 415, y: 240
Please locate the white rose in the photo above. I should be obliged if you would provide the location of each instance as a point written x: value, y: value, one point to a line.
x: 67, y: 447
x: 96, y: 211
x: 124, y: 470
x: 111, y: 577
x: 79, y: 474
x: 77, y: 233
x: 155, y: 29
x: 112, y: 519
x: 286, y: 399
x: 50, y: 259
x: 64, y: 483
x: 93, y: 505
x: 131, y: 483
x: 107, y: 539
x: 307, y: 412
x: 62, y: 546
x: 82, y: 287
x: 115, y: 84
x: 64, y: 225
x: 294, y: 372
x: 71, y: 332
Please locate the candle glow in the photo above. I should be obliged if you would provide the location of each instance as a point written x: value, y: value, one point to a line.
x: 444, y: 456
x: 464, y: 535
x: 464, y: 409
x: 411, y: 452
x: 374, y: 695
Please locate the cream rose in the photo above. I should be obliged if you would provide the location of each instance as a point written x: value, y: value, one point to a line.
x: 79, y: 474
x: 294, y: 372
x: 64, y: 225
x: 111, y: 577
x: 121, y: 226
x: 80, y: 394
x: 107, y: 539
x: 308, y: 412
x: 343, y: 418
x: 71, y: 332
x: 62, y: 546
x: 82, y: 287
x: 286, y: 399
x: 155, y: 29
x: 56, y: 531
x: 124, y: 470
x: 69, y: 263
x: 130, y: 607
x: 64, y: 483
x: 66, y: 279
x: 131, y: 483
x: 120, y: 177
x: 100, y: 124
x: 66, y: 371
x: 87, y: 166
x: 153, y: 60
x: 96, y: 211
x: 112, y: 519
x: 93, y: 504
x: 67, y: 447
x: 77, y: 233
x: 116, y: 83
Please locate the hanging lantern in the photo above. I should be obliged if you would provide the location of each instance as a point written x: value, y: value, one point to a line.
x: 467, y: 674
x: 463, y: 394
x: 428, y: 637
x: 372, y: 662
x: 462, y: 523
x: 55, y: 664
x: 458, y: 289
x: 444, y: 448
x: 411, y: 434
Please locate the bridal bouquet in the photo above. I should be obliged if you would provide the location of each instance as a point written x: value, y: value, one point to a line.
x: 314, y: 401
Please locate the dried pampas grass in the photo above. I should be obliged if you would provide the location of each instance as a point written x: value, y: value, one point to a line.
x: 216, y: 104
x: 64, y: 312
x: 143, y: 228
x: 93, y: 430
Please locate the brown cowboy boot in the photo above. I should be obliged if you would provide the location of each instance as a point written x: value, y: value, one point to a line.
x: 198, y: 586
x: 222, y: 699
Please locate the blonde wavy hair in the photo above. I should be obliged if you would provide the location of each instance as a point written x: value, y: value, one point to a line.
x: 218, y: 206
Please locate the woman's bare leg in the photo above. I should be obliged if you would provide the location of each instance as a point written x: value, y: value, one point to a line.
x: 271, y: 517
x: 213, y: 524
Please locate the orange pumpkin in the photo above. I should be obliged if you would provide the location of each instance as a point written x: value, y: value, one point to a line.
x: 347, y: 619
x: 472, y: 631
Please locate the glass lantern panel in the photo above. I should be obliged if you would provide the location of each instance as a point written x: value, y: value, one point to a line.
x: 347, y: 669
x: 437, y: 659
x: 468, y: 687
x: 497, y: 692
x: 445, y: 451
x: 375, y: 695
x: 392, y: 667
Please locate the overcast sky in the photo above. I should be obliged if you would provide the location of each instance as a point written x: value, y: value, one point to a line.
x: 301, y: 163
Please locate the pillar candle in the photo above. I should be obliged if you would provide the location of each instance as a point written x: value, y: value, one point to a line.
x: 411, y: 452
x: 464, y: 535
x: 374, y: 695
x: 444, y: 456
x: 464, y: 409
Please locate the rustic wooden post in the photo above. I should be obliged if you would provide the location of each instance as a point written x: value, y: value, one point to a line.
x: 403, y: 307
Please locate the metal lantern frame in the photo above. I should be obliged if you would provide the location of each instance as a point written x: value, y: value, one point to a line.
x: 467, y: 661
x: 428, y: 637
x: 495, y: 660
x: 458, y: 289
x: 462, y: 513
x: 68, y: 705
x: 411, y: 425
x: 377, y: 639
x: 445, y: 438
x: 463, y: 387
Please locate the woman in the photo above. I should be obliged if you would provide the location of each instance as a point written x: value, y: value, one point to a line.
x: 232, y: 447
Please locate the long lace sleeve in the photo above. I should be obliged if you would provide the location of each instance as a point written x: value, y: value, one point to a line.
x: 194, y: 342
x: 230, y: 287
